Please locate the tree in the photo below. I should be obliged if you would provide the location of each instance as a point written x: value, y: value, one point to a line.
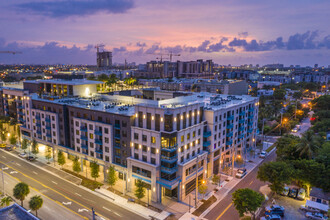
x: 13, y: 140
x: 20, y: 191
x: 95, y: 169
x: 286, y: 147
x: 297, y: 95
x: 247, y: 201
x: 60, y: 158
x: 48, y: 153
x: 35, y: 203
x: 111, y: 178
x: 76, y: 165
x: 216, y: 179
x: 279, y: 94
x: 308, y: 145
x: 3, y: 135
x: 5, y: 201
x: 321, y: 103
x: 277, y: 173
x: 140, y: 190
x: 34, y: 145
x: 202, y: 189
x: 25, y: 144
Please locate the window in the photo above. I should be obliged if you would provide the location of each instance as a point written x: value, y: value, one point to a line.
x: 78, y: 141
x: 136, y: 136
x: 188, y: 156
x: 107, y: 158
x: 136, y: 156
x: 77, y: 123
x: 182, y: 138
x: 91, y: 145
x: 199, y: 131
x: 181, y: 160
x: 124, y: 123
x: 77, y: 132
x: 153, y: 161
x: 106, y: 130
x: 90, y: 127
x: 153, y: 140
x: 144, y: 148
x: 144, y: 138
x: 91, y: 136
x: 153, y: 150
x: 188, y: 136
x: 144, y: 158
x: 194, y: 134
x: 106, y: 149
x: 106, y: 140
x: 136, y: 146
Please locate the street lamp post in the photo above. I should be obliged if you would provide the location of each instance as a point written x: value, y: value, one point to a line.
x: 3, y: 182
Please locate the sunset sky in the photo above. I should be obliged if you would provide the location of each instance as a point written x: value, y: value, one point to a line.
x: 227, y: 31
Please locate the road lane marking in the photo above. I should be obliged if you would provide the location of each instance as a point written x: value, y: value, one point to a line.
x: 5, y: 168
x: 107, y: 209
x: 224, y: 211
x: 13, y: 172
x: 77, y: 194
x: 27, y: 176
x: 35, y: 172
x: 117, y: 214
x: 251, y: 182
x: 83, y: 217
x: 4, y: 157
x: 54, y: 182
x: 18, y: 164
x: 82, y: 210
x: 66, y: 203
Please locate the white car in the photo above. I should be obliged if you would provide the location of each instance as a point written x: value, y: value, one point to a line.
x: 22, y: 155
x: 315, y: 215
x: 263, y: 154
x: 301, y: 194
x: 294, y: 130
x: 241, y: 172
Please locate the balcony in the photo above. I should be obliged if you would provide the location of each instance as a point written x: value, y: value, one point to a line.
x: 83, y: 128
x: 20, y: 113
x: 169, y: 170
x: 38, y: 117
x: 38, y: 124
x: 170, y: 184
x: 241, y: 121
x: 117, y: 146
x: 169, y: 148
x: 241, y: 128
x: 250, y: 123
x: 250, y: 130
x: 47, y: 119
x: 84, y: 146
x: 48, y: 135
x: 251, y: 109
x: 230, y: 126
x: 242, y: 113
x: 99, y: 150
x: 20, y: 107
x: 99, y: 156
x: 98, y: 141
x: 207, y: 134
x: 229, y: 142
x: 98, y: 132
x: 241, y: 136
x: 250, y: 116
x: 229, y: 118
x: 206, y: 143
x: 39, y: 132
x: 117, y: 126
x: 48, y: 127
x: 230, y: 134
x: 83, y: 137
x: 167, y: 159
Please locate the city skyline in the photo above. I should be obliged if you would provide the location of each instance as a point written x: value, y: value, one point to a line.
x: 51, y: 32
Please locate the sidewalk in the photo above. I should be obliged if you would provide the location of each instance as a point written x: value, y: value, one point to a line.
x: 225, y: 188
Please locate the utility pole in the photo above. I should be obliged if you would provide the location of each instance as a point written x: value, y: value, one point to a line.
x: 295, y: 113
x: 196, y: 194
x: 233, y: 163
x: 3, y: 181
x: 281, y: 124
x: 189, y: 203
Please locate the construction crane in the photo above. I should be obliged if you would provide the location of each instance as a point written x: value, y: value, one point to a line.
x: 171, y: 55
x: 12, y: 52
x: 98, y: 46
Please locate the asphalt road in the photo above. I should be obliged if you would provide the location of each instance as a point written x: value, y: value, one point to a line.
x: 68, y: 195
x: 225, y: 210
x: 304, y: 125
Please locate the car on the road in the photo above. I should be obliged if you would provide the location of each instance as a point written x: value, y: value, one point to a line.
x: 22, y: 155
x: 30, y: 158
x: 293, y: 193
x: 295, y: 130
x: 2, y: 145
x: 275, y: 210
x: 315, y: 215
x: 241, y: 172
x: 263, y: 154
x: 301, y: 194
x: 271, y: 217
x: 285, y: 191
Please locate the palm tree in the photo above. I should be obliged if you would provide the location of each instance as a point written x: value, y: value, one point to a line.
x: 5, y: 201
x: 309, y: 144
x: 35, y: 203
x: 20, y: 191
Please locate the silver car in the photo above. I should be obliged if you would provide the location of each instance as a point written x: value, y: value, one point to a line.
x: 301, y: 194
x: 315, y: 215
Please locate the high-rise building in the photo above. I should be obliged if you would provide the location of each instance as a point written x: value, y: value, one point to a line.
x: 104, y: 60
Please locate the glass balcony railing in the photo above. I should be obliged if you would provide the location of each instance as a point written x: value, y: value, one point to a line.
x: 169, y: 147
x: 251, y: 109
x: 229, y: 134
x: 230, y: 126
x: 98, y: 132
x: 83, y: 128
x: 229, y: 118
x: 98, y: 141
x: 242, y: 113
x: 206, y: 143
x: 83, y: 137
x: 169, y: 170
x: 207, y: 134
x: 168, y: 159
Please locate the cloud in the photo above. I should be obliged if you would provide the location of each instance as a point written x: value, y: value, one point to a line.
x: 203, y: 46
x: 139, y: 44
x: 243, y: 34
x: 68, y: 8
x: 220, y: 46
x: 119, y: 50
x: 303, y: 41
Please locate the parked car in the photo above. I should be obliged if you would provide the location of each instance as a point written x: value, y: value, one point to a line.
x: 293, y: 193
x: 2, y: 145
x: 30, y: 158
x: 308, y: 209
x: 22, y: 155
x: 315, y: 215
x: 275, y: 210
x: 301, y: 194
x: 8, y: 148
x: 263, y: 154
x: 271, y: 217
x: 285, y: 191
x: 241, y: 172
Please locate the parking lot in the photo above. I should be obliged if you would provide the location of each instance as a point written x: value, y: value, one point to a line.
x: 291, y: 207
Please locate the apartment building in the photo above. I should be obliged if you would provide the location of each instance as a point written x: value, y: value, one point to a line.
x: 169, y: 141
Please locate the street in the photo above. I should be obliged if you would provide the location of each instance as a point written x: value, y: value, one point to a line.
x: 225, y: 209
x: 69, y: 195
x: 304, y: 125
